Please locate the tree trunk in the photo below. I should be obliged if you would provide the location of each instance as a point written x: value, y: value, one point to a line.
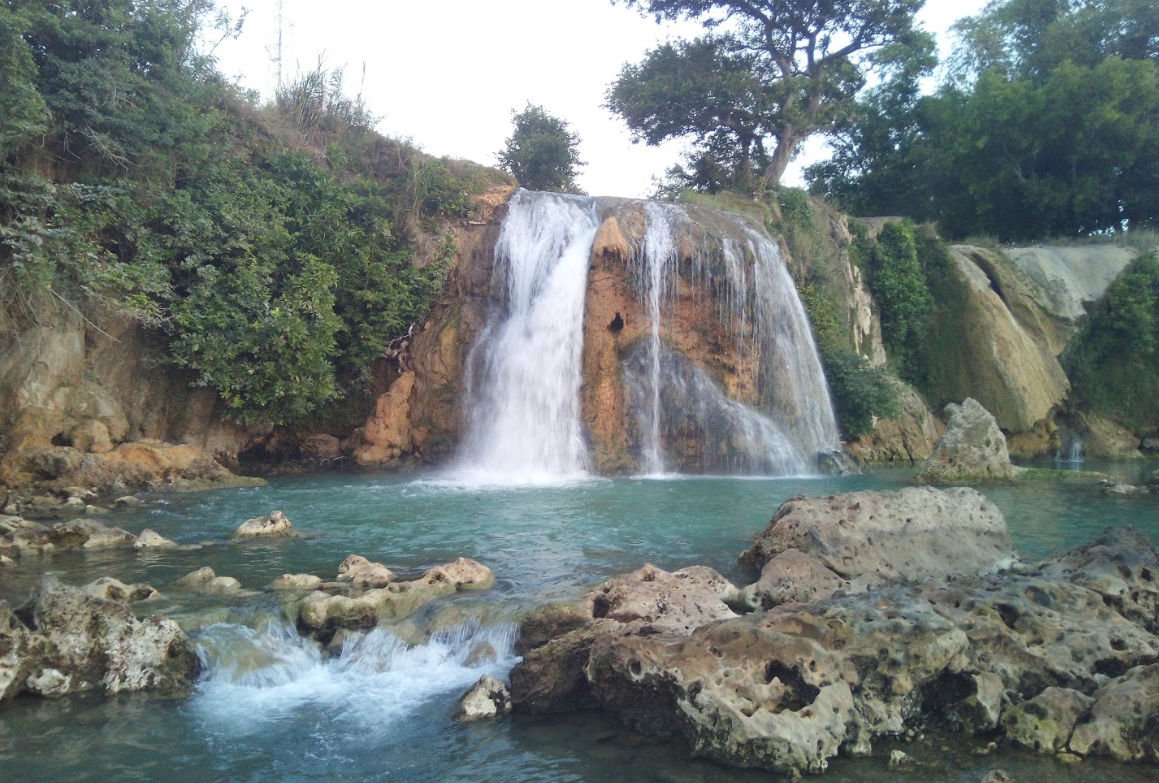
x: 782, y: 154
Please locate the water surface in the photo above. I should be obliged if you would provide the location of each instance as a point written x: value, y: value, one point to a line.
x: 272, y: 708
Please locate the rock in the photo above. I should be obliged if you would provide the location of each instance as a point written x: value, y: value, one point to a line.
x: 791, y: 687
x: 150, y: 539
x: 92, y: 436
x: 277, y: 524
x: 1045, y: 722
x: 109, y: 589
x: 792, y: 577
x: 221, y: 585
x: 907, y: 439
x: 1104, y: 438
x: 998, y: 776
x: 857, y: 539
x: 837, y: 463
x: 196, y: 580
x: 75, y: 642
x: 321, y: 446
x: 363, y: 574
x: 488, y: 698
x: 15, y: 640
x: 297, y: 582
x: 128, y: 501
x: 993, y: 343
x: 144, y: 464
x: 972, y: 449
x: 899, y: 759
x: 387, y: 434
x: 103, y: 537
x: 322, y: 615
x: 1123, y: 722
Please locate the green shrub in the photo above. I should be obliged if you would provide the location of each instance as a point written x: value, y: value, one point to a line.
x: 1113, y: 361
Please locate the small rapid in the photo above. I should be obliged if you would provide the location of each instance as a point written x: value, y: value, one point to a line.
x: 254, y: 676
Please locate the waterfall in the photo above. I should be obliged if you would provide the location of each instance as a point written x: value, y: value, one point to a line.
x: 758, y: 306
x: 524, y: 369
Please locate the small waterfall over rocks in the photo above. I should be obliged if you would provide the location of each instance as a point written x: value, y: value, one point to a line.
x: 709, y: 365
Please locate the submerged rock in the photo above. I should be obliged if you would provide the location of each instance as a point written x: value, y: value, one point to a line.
x: 790, y: 687
x: 275, y: 525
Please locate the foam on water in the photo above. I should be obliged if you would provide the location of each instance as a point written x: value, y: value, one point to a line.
x: 255, y: 676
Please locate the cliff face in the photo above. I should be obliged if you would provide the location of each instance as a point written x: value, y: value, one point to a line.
x: 1004, y: 320
x: 681, y: 314
x: 97, y: 383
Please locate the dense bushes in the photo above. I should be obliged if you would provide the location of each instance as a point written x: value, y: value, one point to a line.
x: 1113, y: 362
x: 273, y: 246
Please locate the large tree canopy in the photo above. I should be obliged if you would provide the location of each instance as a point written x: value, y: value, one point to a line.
x: 1048, y: 126
x: 769, y: 73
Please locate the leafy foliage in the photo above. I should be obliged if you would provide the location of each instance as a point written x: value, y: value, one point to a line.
x: 1113, y: 362
x: 541, y: 152
x: 274, y: 247
x: 769, y: 71
x: 1049, y: 127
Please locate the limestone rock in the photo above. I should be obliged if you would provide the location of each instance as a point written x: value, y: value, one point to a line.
x: 1045, y: 722
x: 151, y: 539
x: 387, y: 433
x: 791, y: 687
x: 907, y: 439
x: 275, y: 525
x: 92, y: 436
x: 875, y: 537
x: 792, y: 576
x: 297, y: 582
x: 972, y: 449
x: 321, y: 446
x: 196, y: 580
x: 488, y: 698
x: 993, y: 346
x: 321, y: 614
x: 1123, y: 722
x: 111, y: 589
x: 363, y: 574
x: 76, y: 642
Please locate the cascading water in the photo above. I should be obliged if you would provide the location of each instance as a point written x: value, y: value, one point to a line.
x: 763, y: 314
x: 525, y: 370
x: 257, y: 675
x: 525, y: 416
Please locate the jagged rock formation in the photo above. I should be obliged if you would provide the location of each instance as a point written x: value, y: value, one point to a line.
x: 68, y: 640
x: 790, y: 686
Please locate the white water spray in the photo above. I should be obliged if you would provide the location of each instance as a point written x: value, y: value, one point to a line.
x: 525, y: 412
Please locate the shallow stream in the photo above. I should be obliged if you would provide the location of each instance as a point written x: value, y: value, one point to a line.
x: 271, y: 708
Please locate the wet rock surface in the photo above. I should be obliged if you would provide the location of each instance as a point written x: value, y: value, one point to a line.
x: 800, y: 680
x: 71, y: 640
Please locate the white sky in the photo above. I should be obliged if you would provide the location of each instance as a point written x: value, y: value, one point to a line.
x: 447, y: 74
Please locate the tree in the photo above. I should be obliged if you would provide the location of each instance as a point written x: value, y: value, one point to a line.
x: 542, y: 151
x: 1046, y: 128
x: 792, y: 67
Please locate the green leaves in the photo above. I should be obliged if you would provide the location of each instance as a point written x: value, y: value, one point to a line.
x: 542, y: 151
x: 1113, y: 362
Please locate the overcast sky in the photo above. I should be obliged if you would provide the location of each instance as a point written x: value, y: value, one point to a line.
x: 447, y: 74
